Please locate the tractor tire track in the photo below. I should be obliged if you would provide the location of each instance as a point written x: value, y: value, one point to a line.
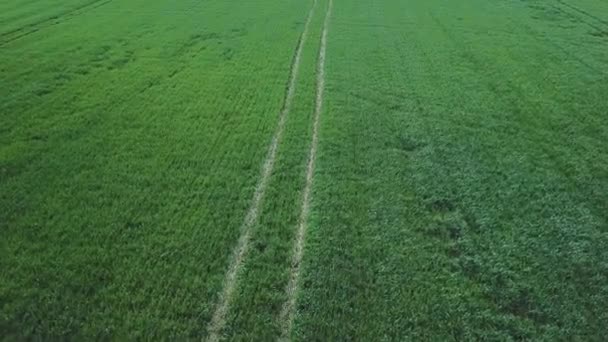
x: 584, y: 12
x: 17, y: 33
x: 288, y: 311
x: 218, y: 320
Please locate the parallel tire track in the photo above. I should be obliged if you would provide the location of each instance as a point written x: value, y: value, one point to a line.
x: 583, y: 12
x: 287, y: 314
x: 35, y: 27
x: 218, y: 320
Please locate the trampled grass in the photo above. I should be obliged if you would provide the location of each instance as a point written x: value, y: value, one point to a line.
x: 460, y: 190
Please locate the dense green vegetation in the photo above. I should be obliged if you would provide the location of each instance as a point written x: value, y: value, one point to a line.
x: 130, y: 144
x: 460, y: 192
x: 462, y: 183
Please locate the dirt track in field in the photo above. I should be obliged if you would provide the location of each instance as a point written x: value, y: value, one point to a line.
x: 287, y: 313
x: 218, y: 319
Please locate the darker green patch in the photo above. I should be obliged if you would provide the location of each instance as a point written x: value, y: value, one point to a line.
x: 227, y: 54
x: 601, y: 34
x: 42, y: 91
x: 174, y: 72
x: 101, y: 53
x: 441, y: 206
x: 151, y: 84
x: 39, y: 137
x: 82, y: 70
x: 548, y: 12
x: 519, y: 301
x: 118, y: 63
x: 62, y: 77
x: 447, y: 224
x: 194, y: 40
x: 260, y: 245
x: 133, y: 225
x: 238, y: 32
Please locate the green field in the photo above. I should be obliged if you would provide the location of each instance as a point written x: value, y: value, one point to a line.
x: 156, y: 157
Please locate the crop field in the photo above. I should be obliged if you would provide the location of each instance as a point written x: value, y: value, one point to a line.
x: 309, y: 170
